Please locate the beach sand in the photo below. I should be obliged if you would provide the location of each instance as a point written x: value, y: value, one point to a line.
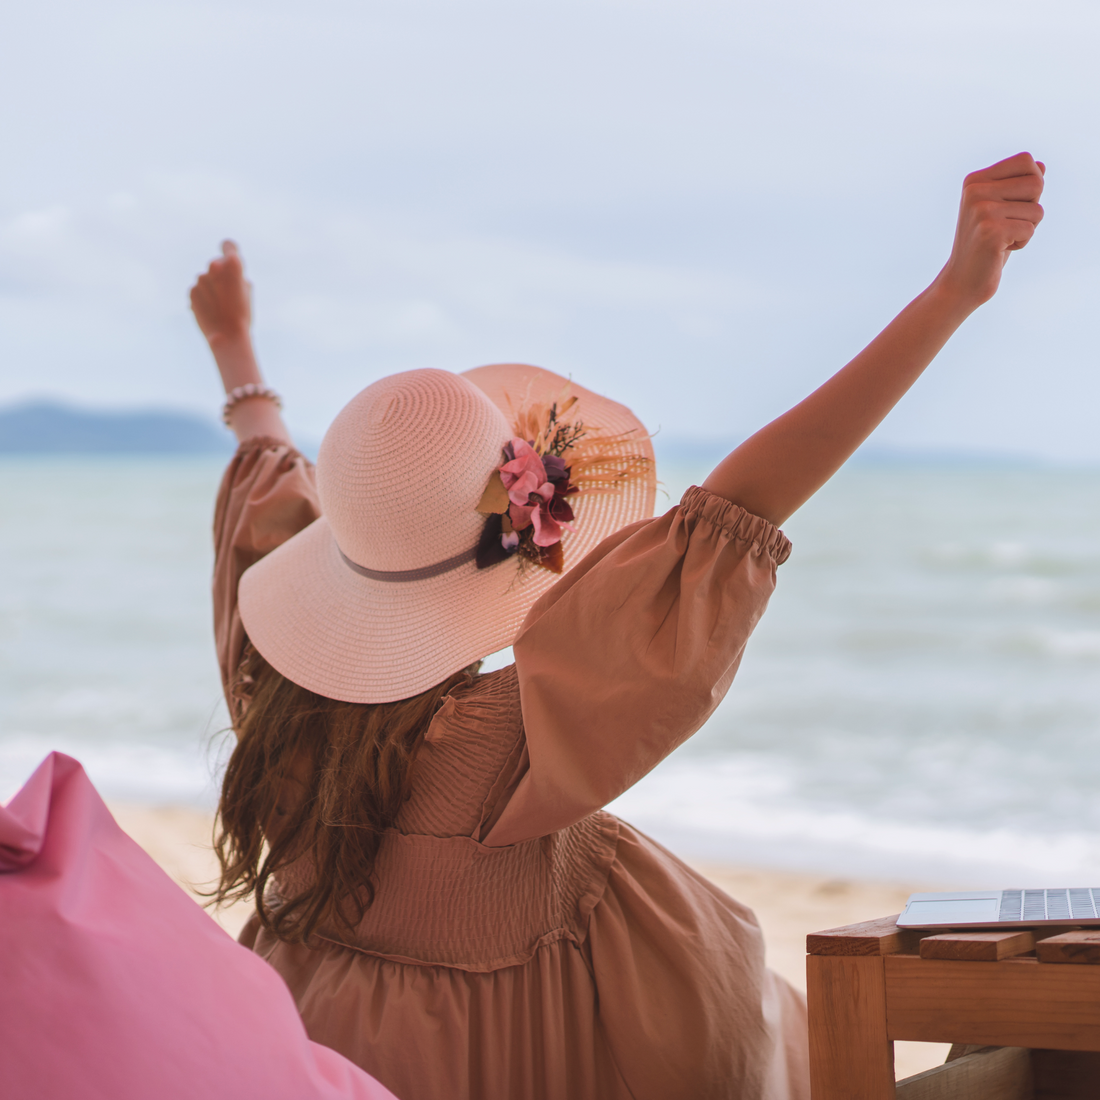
x: 788, y: 906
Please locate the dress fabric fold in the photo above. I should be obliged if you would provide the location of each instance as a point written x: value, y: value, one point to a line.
x: 523, y: 941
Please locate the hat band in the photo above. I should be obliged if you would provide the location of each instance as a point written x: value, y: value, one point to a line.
x: 421, y: 574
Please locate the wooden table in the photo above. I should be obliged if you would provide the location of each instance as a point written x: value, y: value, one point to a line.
x: 1022, y: 1008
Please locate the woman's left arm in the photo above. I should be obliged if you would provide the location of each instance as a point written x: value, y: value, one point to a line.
x: 779, y: 468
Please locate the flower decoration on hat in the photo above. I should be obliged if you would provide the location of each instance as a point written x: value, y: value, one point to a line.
x: 551, y: 459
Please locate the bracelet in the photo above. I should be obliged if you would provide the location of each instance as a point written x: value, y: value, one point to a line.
x: 249, y: 389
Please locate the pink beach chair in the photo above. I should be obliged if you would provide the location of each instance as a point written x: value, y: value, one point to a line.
x: 115, y: 984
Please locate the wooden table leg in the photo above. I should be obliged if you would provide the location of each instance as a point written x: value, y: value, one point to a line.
x: 850, y: 1055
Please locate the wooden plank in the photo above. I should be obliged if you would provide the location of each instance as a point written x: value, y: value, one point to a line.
x: 976, y: 946
x: 872, y: 937
x: 1016, y: 1002
x: 850, y: 1056
x: 1000, y: 1073
x: 1071, y: 947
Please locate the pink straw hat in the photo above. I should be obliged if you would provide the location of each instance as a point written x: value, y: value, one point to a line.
x: 388, y: 593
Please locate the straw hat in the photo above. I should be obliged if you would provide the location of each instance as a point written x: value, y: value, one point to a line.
x: 382, y: 598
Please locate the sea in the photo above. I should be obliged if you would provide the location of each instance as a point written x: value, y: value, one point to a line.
x: 921, y: 702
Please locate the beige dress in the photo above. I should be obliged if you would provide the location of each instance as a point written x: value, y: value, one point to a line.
x: 524, y: 943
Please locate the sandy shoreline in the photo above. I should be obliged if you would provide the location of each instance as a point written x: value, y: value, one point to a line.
x: 787, y: 905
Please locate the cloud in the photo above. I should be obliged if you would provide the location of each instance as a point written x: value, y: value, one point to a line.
x: 350, y: 285
x: 703, y: 207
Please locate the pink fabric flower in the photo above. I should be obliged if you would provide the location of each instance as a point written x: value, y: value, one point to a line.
x: 547, y: 529
x: 531, y: 493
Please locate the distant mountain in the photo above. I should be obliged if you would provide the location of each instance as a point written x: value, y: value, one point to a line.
x: 46, y: 427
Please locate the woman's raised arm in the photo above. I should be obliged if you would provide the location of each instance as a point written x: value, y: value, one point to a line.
x: 221, y: 300
x: 779, y: 468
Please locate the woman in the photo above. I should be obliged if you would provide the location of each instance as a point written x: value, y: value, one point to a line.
x: 435, y: 877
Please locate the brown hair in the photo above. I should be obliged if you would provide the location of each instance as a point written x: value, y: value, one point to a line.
x: 315, y: 780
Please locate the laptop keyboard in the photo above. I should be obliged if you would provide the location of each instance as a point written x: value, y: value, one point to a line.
x: 1036, y: 905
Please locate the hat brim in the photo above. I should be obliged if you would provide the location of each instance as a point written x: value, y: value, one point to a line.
x: 359, y: 640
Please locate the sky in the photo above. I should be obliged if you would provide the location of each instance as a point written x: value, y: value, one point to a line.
x: 700, y: 208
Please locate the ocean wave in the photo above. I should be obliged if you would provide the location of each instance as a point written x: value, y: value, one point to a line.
x: 1053, y: 642
x: 1023, y: 590
x: 1012, y: 557
x: 745, y: 809
x: 183, y: 774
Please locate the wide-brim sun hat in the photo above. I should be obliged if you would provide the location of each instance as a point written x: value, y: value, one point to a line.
x: 384, y: 596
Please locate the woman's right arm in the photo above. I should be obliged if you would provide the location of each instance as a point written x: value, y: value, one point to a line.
x: 221, y: 300
x: 268, y: 492
x: 777, y: 470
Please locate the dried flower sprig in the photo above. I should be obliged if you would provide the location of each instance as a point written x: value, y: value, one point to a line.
x: 550, y: 459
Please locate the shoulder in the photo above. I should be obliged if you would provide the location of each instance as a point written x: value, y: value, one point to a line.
x: 469, y: 751
x: 488, y: 707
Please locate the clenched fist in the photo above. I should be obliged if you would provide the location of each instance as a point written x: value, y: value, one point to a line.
x: 221, y: 299
x: 998, y: 215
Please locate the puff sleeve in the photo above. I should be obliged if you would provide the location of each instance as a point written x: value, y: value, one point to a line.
x: 267, y: 495
x: 629, y: 654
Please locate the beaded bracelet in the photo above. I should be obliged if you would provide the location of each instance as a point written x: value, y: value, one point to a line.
x: 249, y: 389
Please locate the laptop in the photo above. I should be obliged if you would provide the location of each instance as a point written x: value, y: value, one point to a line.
x: 976, y: 909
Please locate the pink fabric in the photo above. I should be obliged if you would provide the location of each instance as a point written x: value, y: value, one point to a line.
x: 525, y: 477
x: 113, y: 983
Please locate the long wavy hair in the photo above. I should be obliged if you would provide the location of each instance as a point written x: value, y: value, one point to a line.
x: 315, y: 783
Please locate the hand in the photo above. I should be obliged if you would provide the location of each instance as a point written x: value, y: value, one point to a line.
x: 997, y: 216
x: 222, y: 298
x: 779, y: 468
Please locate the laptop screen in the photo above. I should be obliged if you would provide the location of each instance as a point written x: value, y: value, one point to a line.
x: 963, y: 910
